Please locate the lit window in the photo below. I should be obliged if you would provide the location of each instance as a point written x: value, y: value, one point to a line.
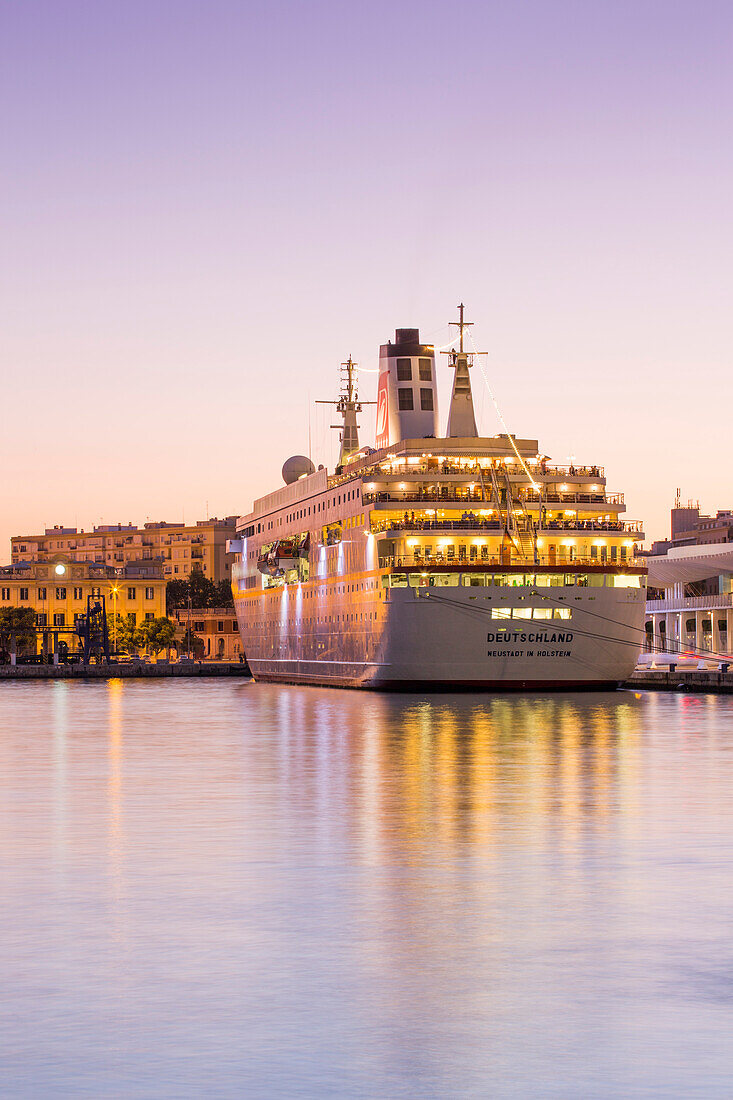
x: 405, y: 399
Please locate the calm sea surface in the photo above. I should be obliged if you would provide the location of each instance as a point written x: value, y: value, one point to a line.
x: 238, y: 890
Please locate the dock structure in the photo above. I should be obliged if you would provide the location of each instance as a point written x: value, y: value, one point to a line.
x: 711, y: 681
x: 128, y: 670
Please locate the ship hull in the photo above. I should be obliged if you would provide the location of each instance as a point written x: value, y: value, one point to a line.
x: 408, y: 639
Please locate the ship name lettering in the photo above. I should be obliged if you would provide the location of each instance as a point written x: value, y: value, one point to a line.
x: 543, y: 637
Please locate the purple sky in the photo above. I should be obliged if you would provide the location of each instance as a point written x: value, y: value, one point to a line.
x: 206, y: 207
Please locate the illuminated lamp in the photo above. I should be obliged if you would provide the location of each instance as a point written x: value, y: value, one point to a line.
x: 60, y: 569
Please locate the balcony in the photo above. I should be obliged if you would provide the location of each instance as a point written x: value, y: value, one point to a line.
x: 514, y: 562
x: 493, y: 526
x: 691, y: 603
x: 430, y: 495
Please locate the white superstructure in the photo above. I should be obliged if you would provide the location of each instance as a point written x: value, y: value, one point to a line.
x: 441, y: 562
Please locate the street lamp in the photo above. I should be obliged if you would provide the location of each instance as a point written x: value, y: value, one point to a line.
x: 115, y: 590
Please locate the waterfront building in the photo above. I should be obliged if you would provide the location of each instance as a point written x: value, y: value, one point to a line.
x: 57, y: 591
x: 216, y: 626
x: 180, y: 548
x: 690, y: 595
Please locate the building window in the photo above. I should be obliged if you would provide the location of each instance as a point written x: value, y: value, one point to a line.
x: 41, y: 618
x: 220, y: 626
x: 149, y: 593
x: 60, y: 593
x: 23, y: 594
x: 41, y: 593
x: 96, y: 593
x: 426, y: 399
x: 149, y: 615
x: 59, y: 619
x: 77, y: 594
x: 6, y: 593
x: 426, y: 372
x: 132, y: 593
x: 404, y: 396
x: 404, y: 370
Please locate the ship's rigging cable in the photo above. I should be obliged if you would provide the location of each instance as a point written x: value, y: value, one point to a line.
x: 509, y: 436
x: 377, y: 370
x: 702, y: 654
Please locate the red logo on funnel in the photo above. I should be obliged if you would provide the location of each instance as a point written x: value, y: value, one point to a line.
x: 382, y: 412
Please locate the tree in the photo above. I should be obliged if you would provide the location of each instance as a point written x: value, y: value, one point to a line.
x: 176, y: 595
x: 202, y: 591
x: 157, y: 634
x: 17, y: 627
x: 124, y: 634
x: 223, y: 596
x: 196, y: 644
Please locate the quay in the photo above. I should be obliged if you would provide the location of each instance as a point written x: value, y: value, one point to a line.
x: 695, y: 680
x: 128, y: 670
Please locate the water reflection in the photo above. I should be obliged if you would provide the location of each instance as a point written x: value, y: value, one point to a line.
x: 233, y: 889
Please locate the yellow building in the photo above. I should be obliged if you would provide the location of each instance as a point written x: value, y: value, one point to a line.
x: 180, y: 549
x: 57, y: 592
x: 216, y: 627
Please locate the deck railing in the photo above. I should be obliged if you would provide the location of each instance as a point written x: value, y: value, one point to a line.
x: 468, y: 496
x: 494, y: 526
x: 691, y: 603
x: 516, y: 561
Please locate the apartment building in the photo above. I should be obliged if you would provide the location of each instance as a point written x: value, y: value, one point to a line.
x: 58, y: 591
x: 178, y: 547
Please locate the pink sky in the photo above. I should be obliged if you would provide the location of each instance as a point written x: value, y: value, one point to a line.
x: 205, y: 208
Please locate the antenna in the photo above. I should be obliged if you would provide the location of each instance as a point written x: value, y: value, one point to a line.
x: 678, y: 499
x: 461, y: 417
x: 460, y: 325
x: 348, y: 405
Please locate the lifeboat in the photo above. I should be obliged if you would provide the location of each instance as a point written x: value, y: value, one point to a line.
x: 282, y: 557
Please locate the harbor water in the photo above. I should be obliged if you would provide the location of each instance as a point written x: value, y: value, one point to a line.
x: 227, y: 889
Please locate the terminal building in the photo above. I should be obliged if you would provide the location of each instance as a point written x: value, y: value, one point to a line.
x: 690, y: 595
x: 179, y: 548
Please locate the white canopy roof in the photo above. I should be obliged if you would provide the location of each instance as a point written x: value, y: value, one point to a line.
x: 690, y: 563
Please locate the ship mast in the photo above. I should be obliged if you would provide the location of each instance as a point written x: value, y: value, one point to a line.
x: 348, y: 406
x: 461, y: 417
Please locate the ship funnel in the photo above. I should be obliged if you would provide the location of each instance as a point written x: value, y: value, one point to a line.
x: 407, y: 399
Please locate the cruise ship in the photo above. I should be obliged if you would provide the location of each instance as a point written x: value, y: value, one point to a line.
x: 438, y: 559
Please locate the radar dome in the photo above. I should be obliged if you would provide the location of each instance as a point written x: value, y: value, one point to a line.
x: 297, y: 467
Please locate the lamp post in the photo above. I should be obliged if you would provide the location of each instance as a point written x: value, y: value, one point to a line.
x: 189, y: 626
x: 115, y: 590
